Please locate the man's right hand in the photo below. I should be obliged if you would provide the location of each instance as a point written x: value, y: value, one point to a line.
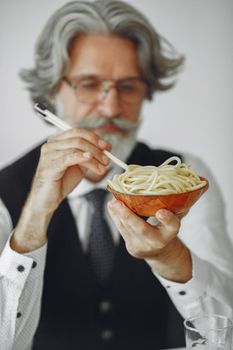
x: 63, y: 163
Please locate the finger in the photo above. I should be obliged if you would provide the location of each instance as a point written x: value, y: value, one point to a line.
x: 134, y: 230
x: 150, y: 238
x: 118, y: 223
x: 131, y: 241
x: 86, y: 134
x: 120, y: 210
x: 133, y: 224
x: 169, y: 223
x: 79, y: 144
x: 59, y: 161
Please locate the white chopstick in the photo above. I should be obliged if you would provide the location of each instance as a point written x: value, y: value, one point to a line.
x: 53, y: 119
x: 116, y: 160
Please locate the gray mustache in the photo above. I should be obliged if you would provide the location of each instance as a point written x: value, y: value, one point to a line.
x: 98, y: 121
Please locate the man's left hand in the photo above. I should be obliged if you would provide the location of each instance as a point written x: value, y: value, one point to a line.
x: 157, y: 243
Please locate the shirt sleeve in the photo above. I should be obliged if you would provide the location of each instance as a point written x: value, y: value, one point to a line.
x: 21, y: 283
x: 209, y: 291
x: 204, y: 232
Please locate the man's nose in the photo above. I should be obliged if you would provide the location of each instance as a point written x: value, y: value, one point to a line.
x: 109, y: 103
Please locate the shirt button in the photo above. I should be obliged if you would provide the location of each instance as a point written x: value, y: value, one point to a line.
x: 107, y: 334
x: 105, y: 306
x: 34, y: 264
x: 182, y: 292
x: 20, y: 268
x: 18, y: 314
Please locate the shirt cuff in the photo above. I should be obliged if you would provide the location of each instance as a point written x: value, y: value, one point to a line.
x: 188, y: 296
x: 16, y: 267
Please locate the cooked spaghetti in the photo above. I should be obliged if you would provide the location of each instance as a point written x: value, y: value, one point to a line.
x: 152, y: 180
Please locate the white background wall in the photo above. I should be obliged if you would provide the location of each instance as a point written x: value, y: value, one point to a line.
x: 196, y: 116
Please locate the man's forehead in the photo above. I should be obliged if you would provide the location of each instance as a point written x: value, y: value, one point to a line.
x: 109, y: 56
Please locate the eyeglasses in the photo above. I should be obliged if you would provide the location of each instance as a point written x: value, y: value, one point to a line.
x: 92, y: 89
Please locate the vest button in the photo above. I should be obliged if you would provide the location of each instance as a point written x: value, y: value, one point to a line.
x: 105, y: 306
x: 107, y: 334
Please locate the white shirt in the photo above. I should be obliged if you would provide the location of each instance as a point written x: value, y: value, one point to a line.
x: 203, y: 230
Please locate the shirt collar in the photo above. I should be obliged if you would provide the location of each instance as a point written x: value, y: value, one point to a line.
x: 86, y: 186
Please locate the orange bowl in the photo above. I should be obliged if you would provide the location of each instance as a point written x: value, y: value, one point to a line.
x: 147, y: 205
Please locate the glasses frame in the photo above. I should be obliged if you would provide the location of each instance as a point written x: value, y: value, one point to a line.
x: 107, y: 85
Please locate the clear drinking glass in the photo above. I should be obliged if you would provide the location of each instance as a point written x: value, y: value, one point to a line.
x: 208, y: 332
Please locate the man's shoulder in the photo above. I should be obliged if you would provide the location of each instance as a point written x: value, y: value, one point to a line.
x: 146, y: 155
x: 23, y: 167
x: 15, y: 182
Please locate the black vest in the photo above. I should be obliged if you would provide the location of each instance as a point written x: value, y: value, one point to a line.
x: 133, y: 311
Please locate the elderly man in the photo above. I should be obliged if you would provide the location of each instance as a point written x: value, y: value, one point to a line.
x: 69, y: 277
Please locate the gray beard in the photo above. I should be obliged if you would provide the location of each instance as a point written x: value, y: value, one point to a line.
x: 122, y: 145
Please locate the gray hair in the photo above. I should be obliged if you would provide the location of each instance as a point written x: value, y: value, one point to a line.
x: 157, y: 57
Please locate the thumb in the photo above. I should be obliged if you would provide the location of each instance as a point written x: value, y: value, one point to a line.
x: 170, y: 223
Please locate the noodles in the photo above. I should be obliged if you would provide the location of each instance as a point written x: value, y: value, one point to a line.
x: 152, y: 180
